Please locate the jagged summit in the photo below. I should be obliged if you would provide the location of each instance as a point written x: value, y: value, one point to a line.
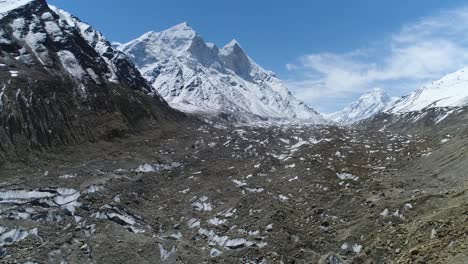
x: 233, y: 47
x: 366, y: 106
x: 184, y: 25
x: 194, y: 76
x: 237, y: 60
x: 180, y: 31
x: 232, y: 44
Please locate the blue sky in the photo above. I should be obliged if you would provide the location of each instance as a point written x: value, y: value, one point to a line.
x: 329, y: 52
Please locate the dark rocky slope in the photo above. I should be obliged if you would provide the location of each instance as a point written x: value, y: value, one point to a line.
x: 62, y: 83
x: 244, y: 195
x: 430, y: 121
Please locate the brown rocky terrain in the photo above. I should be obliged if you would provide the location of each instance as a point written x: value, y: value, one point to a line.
x: 242, y: 195
x: 95, y: 167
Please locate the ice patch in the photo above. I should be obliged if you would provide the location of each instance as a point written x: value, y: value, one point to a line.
x: 192, y: 223
x: 165, y: 254
x: 433, y: 233
x: 17, y: 195
x: 216, y: 221
x: 228, y: 213
x: 408, y: 206
x: 71, y: 64
x: 239, y: 183
x: 68, y: 176
x: 202, y: 204
x: 357, y: 248
x: 344, y: 246
x: 347, y: 176
x: 299, y: 144
x: 15, y: 235
x: 145, y: 168
x: 174, y: 236
x: 255, y: 190
x: 94, y: 188
x: 157, y: 167
x: 215, y: 253
x: 120, y: 216
x: 225, y: 241
x: 384, y: 213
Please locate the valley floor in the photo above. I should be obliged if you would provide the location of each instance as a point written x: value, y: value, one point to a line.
x: 241, y: 195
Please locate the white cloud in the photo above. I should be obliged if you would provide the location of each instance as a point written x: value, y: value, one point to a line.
x: 291, y: 67
x: 420, y: 52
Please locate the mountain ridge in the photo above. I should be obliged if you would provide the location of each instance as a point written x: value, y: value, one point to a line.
x: 449, y: 91
x: 365, y: 106
x: 62, y: 83
x: 435, y: 105
x: 198, y: 77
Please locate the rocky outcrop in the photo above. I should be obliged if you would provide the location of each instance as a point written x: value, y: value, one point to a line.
x: 62, y: 83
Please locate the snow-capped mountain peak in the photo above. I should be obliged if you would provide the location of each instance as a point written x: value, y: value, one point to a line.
x: 177, y: 35
x: 198, y: 77
x: 184, y: 26
x: 176, y: 40
x: 375, y: 95
x: 366, y: 106
x: 233, y: 44
x: 236, y: 59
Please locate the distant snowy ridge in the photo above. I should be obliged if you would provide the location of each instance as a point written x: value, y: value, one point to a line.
x: 451, y: 91
x: 198, y: 77
x: 437, y: 100
x: 366, y: 106
x: 430, y: 105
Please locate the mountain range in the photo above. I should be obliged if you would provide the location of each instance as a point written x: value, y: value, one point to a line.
x: 62, y: 82
x: 451, y: 91
x: 97, y: 165
x: 432, y: 102
x: 198, y: 77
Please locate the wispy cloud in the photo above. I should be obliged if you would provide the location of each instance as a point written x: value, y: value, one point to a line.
x: 420, y: 52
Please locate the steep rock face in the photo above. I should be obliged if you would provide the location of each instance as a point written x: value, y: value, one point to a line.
x: 236, y: 60
x: 61, y: 82
x: 367, y: 105
x: 198, y: 77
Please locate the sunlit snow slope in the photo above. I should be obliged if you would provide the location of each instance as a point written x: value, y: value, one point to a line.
x: 198, y: 77
x: 366, y: 106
